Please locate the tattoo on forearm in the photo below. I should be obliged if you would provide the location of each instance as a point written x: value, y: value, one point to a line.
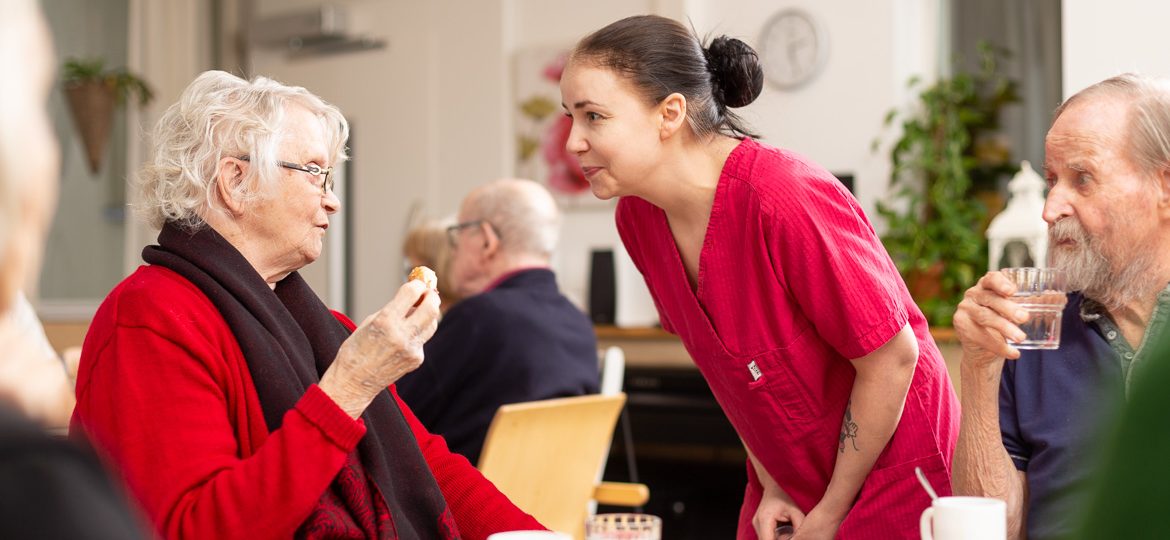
x: 848, y: 429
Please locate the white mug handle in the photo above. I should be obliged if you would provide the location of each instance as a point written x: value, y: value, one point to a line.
x: 924, y: 524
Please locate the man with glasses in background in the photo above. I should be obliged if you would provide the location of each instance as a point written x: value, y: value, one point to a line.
x: 514, y: 337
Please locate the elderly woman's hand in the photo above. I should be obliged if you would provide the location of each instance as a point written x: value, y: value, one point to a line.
x: 386, y: 346
x: 987, y: 319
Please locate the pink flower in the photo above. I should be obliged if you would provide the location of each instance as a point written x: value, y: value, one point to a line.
x: 555, y: 68
x: 564, y: 171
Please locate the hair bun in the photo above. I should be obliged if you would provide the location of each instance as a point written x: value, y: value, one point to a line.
x: 735, y: 71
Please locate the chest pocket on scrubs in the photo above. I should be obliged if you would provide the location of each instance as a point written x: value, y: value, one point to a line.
x: 780, y: 382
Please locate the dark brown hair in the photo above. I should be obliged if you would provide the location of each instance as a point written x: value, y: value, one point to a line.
x: 660, y: 56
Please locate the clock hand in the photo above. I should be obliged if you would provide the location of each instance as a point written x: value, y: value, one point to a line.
x: 793, y: 60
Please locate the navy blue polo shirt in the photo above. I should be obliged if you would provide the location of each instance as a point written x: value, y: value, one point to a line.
x: 1053, y: 408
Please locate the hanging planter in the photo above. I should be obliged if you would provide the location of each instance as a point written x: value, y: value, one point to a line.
x: 93, y: 93
x: 92, y: 105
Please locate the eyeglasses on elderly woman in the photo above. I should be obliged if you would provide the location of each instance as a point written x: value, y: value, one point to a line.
x: 311, y: 168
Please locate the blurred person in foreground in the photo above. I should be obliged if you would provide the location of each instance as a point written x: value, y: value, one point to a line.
x: 37, y: 379
x: 49, y: 488
x: 232, y: 401
x: 1129, y: 494
x: 1030, y: 425
x: 514, y: 337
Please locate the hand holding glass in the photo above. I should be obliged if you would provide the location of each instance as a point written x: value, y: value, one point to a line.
x: 1043, y: 293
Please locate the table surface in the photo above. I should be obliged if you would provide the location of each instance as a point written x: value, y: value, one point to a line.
x: 607, y: 331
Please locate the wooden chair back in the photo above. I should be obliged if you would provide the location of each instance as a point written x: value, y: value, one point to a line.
x: 544, y: 455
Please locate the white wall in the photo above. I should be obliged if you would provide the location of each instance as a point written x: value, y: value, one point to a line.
x: 426, y: 114
x: 875, y: 47
x: 96, y: 239
x: 561, y: 24
x: 1102, y: 39
x: 432, y: 113
x: 835, y: 118
x: 88, y: 228
x: 432, y: 116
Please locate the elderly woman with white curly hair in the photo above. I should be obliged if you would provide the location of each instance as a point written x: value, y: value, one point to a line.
x: 232, y: 401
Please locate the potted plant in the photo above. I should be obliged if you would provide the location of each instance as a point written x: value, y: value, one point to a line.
x: 934, y: 221
x: 93, y: 92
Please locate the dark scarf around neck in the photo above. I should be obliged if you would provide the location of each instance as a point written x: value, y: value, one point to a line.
x: 289, y: 338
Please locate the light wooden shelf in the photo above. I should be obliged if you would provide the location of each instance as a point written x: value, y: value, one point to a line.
x: 608, y: 331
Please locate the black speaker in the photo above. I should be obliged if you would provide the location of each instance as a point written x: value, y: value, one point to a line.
x: 602, y: 304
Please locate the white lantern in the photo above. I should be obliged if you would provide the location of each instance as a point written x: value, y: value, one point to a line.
x: 1018, y: 236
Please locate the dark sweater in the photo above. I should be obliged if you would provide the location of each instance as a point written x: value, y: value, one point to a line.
x: 519, y: 341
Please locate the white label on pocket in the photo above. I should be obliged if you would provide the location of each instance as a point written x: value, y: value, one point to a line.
x: 755, y: 370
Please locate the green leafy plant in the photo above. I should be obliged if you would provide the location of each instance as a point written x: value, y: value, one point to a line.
x: 934, y: 224
x: 124, y: 84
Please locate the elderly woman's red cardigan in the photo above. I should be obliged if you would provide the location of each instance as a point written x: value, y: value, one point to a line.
x: 165, y: 395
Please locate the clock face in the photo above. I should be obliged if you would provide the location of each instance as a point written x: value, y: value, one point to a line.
x: 793, y: 49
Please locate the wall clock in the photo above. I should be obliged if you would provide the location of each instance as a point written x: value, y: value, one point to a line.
x: 794, y: 48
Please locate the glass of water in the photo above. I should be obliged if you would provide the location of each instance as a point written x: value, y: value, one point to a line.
x: 1043, y: 293
x: 623, y: 527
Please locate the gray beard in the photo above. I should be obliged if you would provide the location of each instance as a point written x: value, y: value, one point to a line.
x: 1113, y: 277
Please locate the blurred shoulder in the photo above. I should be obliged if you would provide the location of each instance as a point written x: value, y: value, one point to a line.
x: 485, y: 307
x: 507, y: 307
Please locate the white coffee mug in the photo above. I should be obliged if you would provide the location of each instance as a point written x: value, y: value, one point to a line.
x: 529, y: 535
x: 964, y: 518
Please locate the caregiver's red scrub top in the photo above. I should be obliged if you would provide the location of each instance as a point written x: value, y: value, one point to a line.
x: 792, y: 283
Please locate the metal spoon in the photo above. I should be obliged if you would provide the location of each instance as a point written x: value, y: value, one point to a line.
x: 925, y: 483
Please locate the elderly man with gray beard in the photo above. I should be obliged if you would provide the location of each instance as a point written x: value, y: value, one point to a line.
x: 1031, y: 418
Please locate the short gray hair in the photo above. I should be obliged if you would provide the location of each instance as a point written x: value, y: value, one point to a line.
x: 219, y: 115
x: 1149, y: 115
x: 523, y: 213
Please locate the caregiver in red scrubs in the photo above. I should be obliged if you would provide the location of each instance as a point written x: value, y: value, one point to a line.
x: 770, y: 273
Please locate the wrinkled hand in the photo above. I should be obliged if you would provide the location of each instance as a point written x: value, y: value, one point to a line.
x: 776, y: 507
x: 816, y: 526
x: 987, y: 319
x: 386, y: 346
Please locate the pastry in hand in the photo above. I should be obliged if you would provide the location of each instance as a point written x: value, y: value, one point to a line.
x: 425, y: 275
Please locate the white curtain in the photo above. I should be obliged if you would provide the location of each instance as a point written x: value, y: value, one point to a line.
x: 1031, y: 30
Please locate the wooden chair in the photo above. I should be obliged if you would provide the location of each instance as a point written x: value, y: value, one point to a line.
x: 613, y: 370
x: 613, y: 376
x: 544, y: 455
